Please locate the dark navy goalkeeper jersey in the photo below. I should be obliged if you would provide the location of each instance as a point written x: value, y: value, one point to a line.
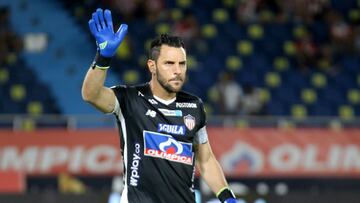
x: 158, y: 144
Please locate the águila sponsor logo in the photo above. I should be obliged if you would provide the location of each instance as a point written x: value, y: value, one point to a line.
x: 172, y: 129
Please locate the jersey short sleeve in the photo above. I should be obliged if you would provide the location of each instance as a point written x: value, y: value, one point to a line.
x: 201, y: 135
x: 121, y: 93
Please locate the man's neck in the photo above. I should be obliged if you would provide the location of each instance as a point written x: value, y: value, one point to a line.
x: 158, y: 91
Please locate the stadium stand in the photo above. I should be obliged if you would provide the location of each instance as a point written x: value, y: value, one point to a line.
x: 296, y: 59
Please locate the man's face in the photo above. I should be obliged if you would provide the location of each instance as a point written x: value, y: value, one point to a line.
x: 171, y: 68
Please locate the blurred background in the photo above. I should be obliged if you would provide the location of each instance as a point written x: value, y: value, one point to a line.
x: 280, y: 81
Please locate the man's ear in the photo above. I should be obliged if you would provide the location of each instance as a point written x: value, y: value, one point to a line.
x: 152, y: 66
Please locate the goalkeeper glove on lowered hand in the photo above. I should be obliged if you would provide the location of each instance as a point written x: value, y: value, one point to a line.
x: 225, y: 195
x: 101, y: 27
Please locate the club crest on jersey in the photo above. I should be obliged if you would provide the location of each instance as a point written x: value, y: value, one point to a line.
x: 171, y: 129
x: 168, y: 112
x: 164, y: 146
x: 189, y: 121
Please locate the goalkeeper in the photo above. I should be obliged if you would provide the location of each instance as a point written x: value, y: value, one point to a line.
x: 162, y: 128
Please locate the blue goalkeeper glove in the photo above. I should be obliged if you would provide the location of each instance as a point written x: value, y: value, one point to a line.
x: 230, y: 200
x: 101, y: 27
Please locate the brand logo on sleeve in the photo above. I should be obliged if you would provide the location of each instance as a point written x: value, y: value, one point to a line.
x: 164, y: 146
x: 152, y: 101
x: 168, y: 112
x: 171, y: 129
x: 150, y: 113
x: 186, y: 105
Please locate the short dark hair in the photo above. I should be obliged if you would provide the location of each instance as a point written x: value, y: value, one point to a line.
x: 170, y: 40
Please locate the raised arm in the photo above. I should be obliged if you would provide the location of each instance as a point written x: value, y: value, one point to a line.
x: 93, y: 89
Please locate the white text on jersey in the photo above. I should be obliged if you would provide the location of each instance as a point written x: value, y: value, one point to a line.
x: 135, y: 166
x: 172, y: 129
x: 186, y: 105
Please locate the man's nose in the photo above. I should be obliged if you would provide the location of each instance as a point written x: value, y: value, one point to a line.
x: 177, y: 69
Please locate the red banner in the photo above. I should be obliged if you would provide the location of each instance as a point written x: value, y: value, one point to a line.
x: 54, y: 151
x: 254, y: 152
x: 285, y: 153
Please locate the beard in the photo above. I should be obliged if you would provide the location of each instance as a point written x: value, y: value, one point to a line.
x: 166, y: 85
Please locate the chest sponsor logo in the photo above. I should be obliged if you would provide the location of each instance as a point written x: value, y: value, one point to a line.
x: 168, y: 112
x: 186, y: 105
x: 189, y: 121
x: 151, y: 113
x: 172, y: 129
x: 164, y: 146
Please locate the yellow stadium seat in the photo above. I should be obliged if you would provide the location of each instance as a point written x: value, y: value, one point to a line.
x: 335, y: 124
x: 353, y: 96
x: 298, y: 111
x: 245, y: 48
x: 354, y: 15
x: 176, y: 14
x: 346, y: 112
x: 208, y: 109
x: 35, y: 108
x: 242, y: 123
x: 183, y: 3
x: 11, y: 58
x: 220, y: 15
x: 281, y: 63
x: 70, y: 185
x: 213, y: 95
x: 266, y: 16
x: 191, y: 62
x: 286, y: 124
x: 209, y: 31
x: 289, y: 48
x: 308, y: 96
x: 162, y: 28
x: 131, y: 77
x: 124, y: 52
x: 324, y: 64
x: 255, y: 31
x: 318, y: 80
x: 229, y: 3
x: 147, y: 44
x: 233, y: 63
x: 299, y: 32
x: 28, y: 124
x: 265, y: 95
x: 4, y: 76
x: 17, y: 92
x: 272, y: 79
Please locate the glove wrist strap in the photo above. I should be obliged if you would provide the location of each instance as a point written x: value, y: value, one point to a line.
x: 224, y: 194
x: 101, y: 61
